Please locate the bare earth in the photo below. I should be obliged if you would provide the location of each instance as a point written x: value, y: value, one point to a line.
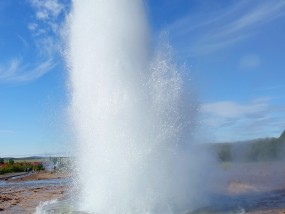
x: 25, y: 199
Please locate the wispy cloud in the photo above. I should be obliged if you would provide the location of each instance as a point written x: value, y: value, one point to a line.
x: 24, y: 42
x: 231, y: 109
x: 45, y: 34
x: 45, y: 28
x: 239, y: 121
x: 16, y: 71
x: 47, y: 9
x: 207, y: 33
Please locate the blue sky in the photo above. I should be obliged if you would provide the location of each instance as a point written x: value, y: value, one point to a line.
x: 235, y: 52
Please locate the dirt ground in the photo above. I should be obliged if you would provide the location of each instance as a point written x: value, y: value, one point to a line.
x: 25, y: 199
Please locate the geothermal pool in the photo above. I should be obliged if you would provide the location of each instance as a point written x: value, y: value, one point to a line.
x: 222, y: 204
x: 243, y: 188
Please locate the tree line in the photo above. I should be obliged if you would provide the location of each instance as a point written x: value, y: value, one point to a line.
x: 267, y: 149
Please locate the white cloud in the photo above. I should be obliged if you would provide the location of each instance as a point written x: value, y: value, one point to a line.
x: 231, y: 109
x: 42, y: 15
x: 33, y: 26
x: 47, y: 9
x: 15, y: 71
x: 233, y: 121
x: 220, y: 29
x: 46, y: 27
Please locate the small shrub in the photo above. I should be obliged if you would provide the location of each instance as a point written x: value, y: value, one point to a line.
x: 11, y: 161
x: 20, y: 167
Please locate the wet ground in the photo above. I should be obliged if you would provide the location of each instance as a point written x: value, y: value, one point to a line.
x: 24, y: 193
x: 261, y: 202
x: 255, y: 188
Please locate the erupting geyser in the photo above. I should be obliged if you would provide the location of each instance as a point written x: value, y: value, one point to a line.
x: 132, y: 116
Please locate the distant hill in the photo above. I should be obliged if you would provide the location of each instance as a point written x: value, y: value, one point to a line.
x: 282, y: 136
x: 265, y: 149
x: 30, y: 158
